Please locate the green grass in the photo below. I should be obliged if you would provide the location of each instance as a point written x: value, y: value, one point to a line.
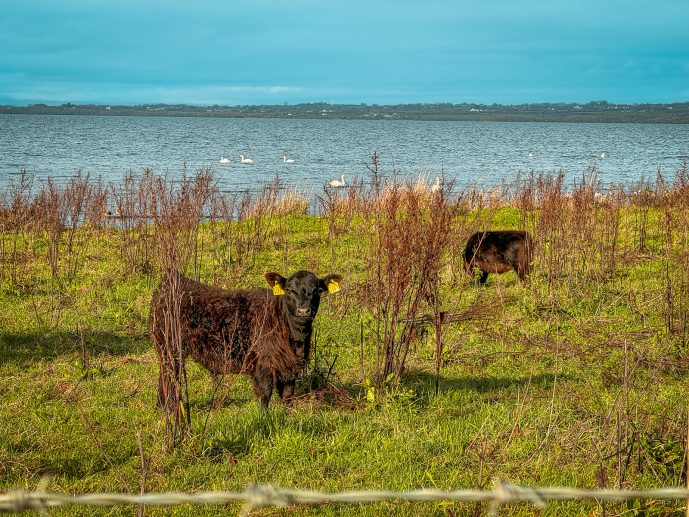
x: 530, y: 393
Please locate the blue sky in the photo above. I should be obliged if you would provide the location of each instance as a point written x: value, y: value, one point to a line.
x: 272, y: 52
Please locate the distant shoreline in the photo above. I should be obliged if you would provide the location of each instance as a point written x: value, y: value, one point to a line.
x: 592, y: 112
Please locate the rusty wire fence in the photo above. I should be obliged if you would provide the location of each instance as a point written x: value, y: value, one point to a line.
x: 264, y: 496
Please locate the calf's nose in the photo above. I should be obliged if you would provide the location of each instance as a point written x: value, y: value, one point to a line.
x: 303, y: 311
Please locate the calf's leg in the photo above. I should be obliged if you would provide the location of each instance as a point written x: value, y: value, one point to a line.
x: 522, y: 270
x: 484, y: 277
x: 521, y: 273
x: 285, y: 389
x: 263, y: 386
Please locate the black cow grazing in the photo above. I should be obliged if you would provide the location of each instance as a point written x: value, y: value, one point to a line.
x: 498, y: 252
x: 265, y: 333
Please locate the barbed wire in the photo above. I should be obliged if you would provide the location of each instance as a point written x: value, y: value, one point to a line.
x: 262, y: 496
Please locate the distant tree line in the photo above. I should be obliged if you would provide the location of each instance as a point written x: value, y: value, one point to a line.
x: 594, y: 111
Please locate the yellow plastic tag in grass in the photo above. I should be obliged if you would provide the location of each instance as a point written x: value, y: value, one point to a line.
x: 371, y: 394
x: 333, y: 286
x: 277, y: 290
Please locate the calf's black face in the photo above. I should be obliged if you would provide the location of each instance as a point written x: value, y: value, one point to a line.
x: 302, y: 291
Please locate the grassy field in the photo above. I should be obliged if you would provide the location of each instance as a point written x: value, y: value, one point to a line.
x: 577, y: 377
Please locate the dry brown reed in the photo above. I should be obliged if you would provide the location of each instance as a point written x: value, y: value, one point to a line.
x: 405, y: 228
x: 131, y: 215
x: 18, y: 230
x: 255, y: 220
x: 51, y: 219
x: 176, y: 211
x: 292, y: 202
x: 221, y: 232
x: 55, y: 216
x: 414, y: 236
x: 583, y: 234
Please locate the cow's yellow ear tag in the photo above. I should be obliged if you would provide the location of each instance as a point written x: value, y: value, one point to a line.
x: 277, y: 290
x: 333, y: 286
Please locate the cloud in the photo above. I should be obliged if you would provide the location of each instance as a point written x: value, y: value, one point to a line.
x: 16, y: 90
x: 134, y: 52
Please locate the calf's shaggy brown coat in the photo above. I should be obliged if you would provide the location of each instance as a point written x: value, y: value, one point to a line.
x: 265, y: 334
x: 498, y: 252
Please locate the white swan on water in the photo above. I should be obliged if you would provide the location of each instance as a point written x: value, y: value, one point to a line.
x: 338, y: 183
x: 224, y: 160
x: 287, y: 160
x: 245, y: 160
x: 436, y: 186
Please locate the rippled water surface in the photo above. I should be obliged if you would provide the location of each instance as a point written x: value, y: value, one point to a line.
x: 471, y: 153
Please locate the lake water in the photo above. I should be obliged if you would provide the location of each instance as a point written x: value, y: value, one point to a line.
x: 482, y: 154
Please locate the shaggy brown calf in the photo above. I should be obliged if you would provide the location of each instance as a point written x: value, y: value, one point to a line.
x: 261, y: 332
x: 498, y: 252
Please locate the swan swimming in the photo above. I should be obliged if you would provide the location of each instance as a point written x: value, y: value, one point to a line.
x: 287, y: 160
x: 338, y: 183
x: 224, y: 160
x: 603, y: 154
x: 436, y: 186
x: 245, y: 160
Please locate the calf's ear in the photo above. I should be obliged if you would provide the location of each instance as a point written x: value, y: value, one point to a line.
x: 277, y: 282
x: 331, y: 283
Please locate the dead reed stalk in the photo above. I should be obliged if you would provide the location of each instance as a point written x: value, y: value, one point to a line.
x: 176, y: 212
x: 407, y: 239
x: 17, y: 227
